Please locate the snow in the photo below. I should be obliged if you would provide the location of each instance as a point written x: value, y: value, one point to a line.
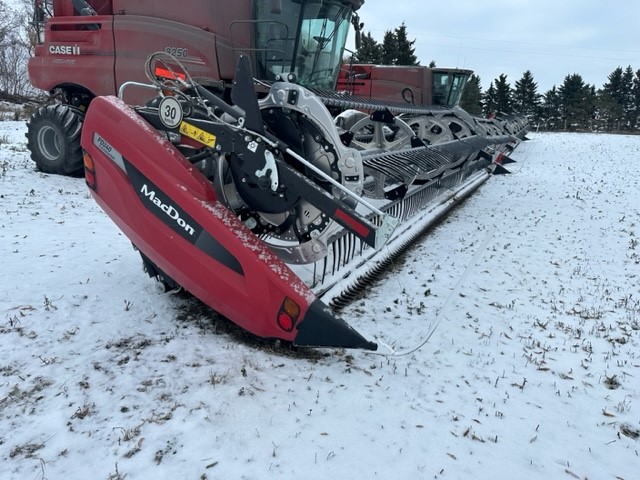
x: 532, y: 371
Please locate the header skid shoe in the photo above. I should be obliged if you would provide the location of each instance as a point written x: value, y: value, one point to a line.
x: 321, y: 328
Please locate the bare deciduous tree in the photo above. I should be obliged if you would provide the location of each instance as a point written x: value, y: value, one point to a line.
x: 15, y: 47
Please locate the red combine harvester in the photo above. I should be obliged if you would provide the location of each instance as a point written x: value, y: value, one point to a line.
x: 215, y: 138
x: 416, y: 85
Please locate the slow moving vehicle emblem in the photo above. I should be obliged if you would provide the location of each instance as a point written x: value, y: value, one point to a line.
x: 170, y: 112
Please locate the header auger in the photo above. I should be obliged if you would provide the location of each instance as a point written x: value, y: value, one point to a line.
x: 260, y: 189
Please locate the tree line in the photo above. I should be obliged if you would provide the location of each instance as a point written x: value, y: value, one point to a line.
x: 573, y: 105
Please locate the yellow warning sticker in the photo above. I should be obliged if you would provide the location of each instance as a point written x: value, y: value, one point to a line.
x: 198, y: 134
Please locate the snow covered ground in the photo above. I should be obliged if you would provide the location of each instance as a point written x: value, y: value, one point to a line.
x: 533, y: 370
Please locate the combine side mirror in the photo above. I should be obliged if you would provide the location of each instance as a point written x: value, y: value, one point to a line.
x: 357, y: 26
x: 276, y: 7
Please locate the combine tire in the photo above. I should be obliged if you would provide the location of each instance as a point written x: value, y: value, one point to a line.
x: 53, y: 138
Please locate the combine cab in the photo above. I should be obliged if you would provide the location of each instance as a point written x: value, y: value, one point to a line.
x: 236, y: 169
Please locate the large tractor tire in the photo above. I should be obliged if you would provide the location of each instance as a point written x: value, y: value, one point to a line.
x: 53, y: 138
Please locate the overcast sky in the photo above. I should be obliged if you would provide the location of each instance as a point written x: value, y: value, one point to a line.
x: 552, y: 39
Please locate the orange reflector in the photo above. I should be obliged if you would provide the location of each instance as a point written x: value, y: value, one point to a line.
x: 288, y: 314
x: 88, y: 162
x: 290, y: 307
x: 89, y: 170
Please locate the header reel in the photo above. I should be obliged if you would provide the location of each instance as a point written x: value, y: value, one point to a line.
x: 278, y: 162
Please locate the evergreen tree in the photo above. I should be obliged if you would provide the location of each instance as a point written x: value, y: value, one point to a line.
x: 591, y: 102
x: 552, y: 109
x: 615, y: 86
x: 471, y: 99
x: 635, y: 94
x: 397, y: 49
x: 613, y: 96
x: 611, y: 100
x: 405, y: 51
x: 526, y: 99
x: 609, y: 111
x: 619, y: 90
x: 577, y: 102
x: 489, y: 101
x: 370, y: 51
x: 389, y: 48
x: 628, y: 103
x: 503, y: 95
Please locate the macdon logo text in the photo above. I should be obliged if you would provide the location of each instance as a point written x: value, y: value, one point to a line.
x: 169, y: 210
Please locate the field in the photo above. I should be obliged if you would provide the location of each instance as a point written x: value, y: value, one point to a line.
x: 533, y: 369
